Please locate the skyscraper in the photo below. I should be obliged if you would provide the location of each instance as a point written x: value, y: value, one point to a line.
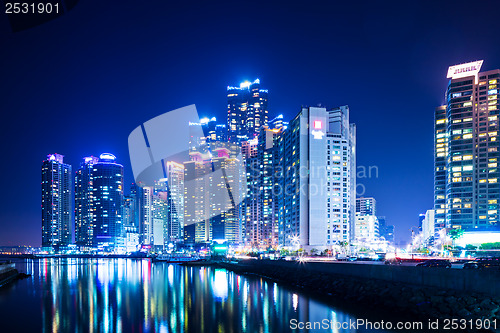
x: 107, y: 209
x: 385, y: 230
x: 366, y: 206
x: 261, y: 207
x: 145, y: 198
x: 56, y: 201
x: 317, y: 199
x: 246, y: 110
x: 466, y: 188
x: 175, y: 201
x: 83, y: 202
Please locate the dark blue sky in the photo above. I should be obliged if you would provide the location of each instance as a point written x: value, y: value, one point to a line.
x: 79, y: 84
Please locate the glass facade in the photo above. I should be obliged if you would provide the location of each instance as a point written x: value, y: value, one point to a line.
x: 107, y: 204
x: 83, y: 202
x: 56, y: 202
x: 246, y: 110
x: 466, y: 189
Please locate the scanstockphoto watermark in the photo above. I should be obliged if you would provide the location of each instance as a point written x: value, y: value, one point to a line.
x: 356, y: 324
x: 438, y: 324
x: 314, y: 181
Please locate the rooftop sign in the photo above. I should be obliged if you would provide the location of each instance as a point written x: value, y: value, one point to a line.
x: 463, y: 70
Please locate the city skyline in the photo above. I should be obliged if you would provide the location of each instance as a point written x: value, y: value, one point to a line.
x: 304, y: 76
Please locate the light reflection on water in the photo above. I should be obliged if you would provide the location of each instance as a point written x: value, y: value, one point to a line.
x: 123, y: 295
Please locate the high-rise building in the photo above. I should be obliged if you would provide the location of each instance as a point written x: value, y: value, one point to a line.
x: 195, y: 201
x: 246, y: 110
x: 428, y: 228
x: 385, y: 230
x: 366, y: 228
x: 145, y: 195
x: 175, y: 201
x: 83, y: 202
x: 212, y: 190
x: 261, y: 227
x: 107, y: 204
x: 160, y: 213
x: 466, y: 182
x: 366, y: 206
x: 318, y: 179
x: 278, y: 123
x: 56, y: 202
x: 130, y: 220
x: 421, y: 218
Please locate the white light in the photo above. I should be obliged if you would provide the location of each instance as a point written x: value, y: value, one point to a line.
x: 107, y: 157
x: 318, y: 135
x: 245, y: 84
x: 464, y: 70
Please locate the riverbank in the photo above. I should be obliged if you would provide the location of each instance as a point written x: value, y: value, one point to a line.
x: 416, y: 299
x: 8, y: 273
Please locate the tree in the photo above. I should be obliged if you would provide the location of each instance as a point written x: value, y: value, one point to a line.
x: 490, y: 246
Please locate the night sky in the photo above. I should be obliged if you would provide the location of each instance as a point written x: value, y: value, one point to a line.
x: 79, y: 84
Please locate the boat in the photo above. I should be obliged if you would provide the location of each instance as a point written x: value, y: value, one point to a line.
x: 175, y: 258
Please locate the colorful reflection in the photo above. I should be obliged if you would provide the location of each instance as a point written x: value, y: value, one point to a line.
x: 124, y: 295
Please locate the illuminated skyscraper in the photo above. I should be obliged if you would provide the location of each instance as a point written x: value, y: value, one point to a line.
x: 318, y: 180
x: 56, y: 201
x: 175, y: 200
x: 466, y: 188
x: 83, y: 202
x: 246, y: 110
x: 107, y: 201
x: 261, y: 207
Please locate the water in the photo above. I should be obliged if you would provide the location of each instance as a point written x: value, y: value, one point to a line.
x: 124, y: 295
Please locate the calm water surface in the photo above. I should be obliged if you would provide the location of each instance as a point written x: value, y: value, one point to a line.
x: 124, y: 295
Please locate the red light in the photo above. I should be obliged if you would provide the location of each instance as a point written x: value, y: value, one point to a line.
x: 317, y: 124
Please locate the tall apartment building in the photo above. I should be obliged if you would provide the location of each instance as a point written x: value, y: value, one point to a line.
x: 318, y: 178
x: 145, y: 200
x: 366, y: 206
x: 175, y: 201
x: 246, y: 110
x: 366, y: 228
x: 107, y: 204
x: 261, y: 207
x: 385, y: 230
x: 83, y: 202
x: 212, y: 195
x: 56, y: 201
x: 466, y: 187
x: 195, y: 203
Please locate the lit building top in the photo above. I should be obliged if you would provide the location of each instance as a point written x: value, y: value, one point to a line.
x: 464, y: 70
x: 55, y: 157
